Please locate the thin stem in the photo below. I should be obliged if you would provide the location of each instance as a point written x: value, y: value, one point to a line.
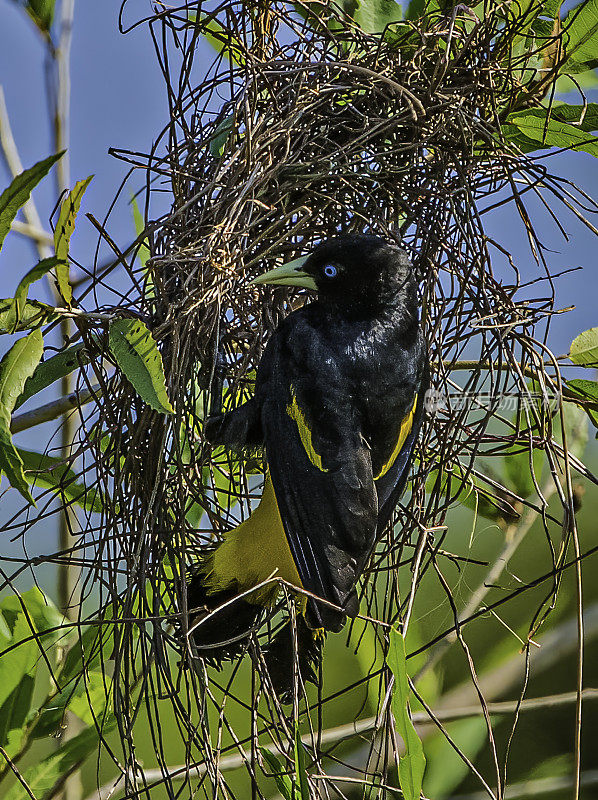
x: 420, y: 719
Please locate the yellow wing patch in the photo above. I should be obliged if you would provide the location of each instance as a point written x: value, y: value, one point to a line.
x: 403, y: 434
x: 297, y: 414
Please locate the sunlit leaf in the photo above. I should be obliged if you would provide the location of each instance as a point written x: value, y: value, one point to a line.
x: 34, y: 314
x: 535, y: 125
x: 301, y: 784
x: 16, y: 367
x: 284, y: 783
x: 137, y: 354
x: 413, y: 763
x: 40, y: 11
x: 584, y: 348
x: 35, y: 274
x: 53, y: 473
x: 69, y: 208
x: 45, y: 775
x: 580, y: 39
x: 19, y: 191
x: 52, y: 370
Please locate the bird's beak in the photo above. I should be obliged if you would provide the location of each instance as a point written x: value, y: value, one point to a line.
x: 291, y: 274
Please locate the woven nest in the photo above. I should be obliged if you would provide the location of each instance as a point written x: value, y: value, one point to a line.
x: 302, y: 128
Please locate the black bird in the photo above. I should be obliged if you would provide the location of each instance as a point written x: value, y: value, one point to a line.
x: 337, y: 408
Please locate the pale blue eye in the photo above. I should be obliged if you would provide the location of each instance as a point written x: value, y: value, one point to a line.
x: 330, y: 271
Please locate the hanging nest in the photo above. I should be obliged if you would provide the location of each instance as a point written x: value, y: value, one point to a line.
x: 303, y: 126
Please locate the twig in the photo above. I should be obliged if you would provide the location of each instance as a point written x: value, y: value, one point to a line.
x: 13, y: 162
x: 53, y: 410
x: 420, y: 719
x: 539, y: 786
x: 38, y: 235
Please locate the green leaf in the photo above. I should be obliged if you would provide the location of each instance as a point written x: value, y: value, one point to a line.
x: 14, y: 713
x: 301, y: 784
x: 34, y: 315
x: 143, y: 252
x: 65, y: 226
x: 46, y: 621
x: 221, y: 39
x: 587, y: 390
x: 413, y: 763
x: 137, y: 355
x: 576, y: 428
x: 580, y: 36
x: 45, y: 775
x: 16, y: 367
x: 534, y: 125
x: 584, y: 348
x: 39, y: 608
x: 52, y: 370
x: 53, y: 473
x: 17, y: 194
x: 372, y: 16
x: 220, y: 137
x: 284, y: 783
x: 585, y: 118
x: 17, y: 669
x: 34, y: 274
x: 41, y: 12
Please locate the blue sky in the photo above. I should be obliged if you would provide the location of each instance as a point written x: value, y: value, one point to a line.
x: 118, y: 100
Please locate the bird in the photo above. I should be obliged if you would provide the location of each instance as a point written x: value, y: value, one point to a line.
x: 337, y: 408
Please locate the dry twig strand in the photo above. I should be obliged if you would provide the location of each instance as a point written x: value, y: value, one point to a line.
x: 299, y: 129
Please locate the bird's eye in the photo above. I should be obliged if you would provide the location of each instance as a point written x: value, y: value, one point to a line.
x: 330, y: 271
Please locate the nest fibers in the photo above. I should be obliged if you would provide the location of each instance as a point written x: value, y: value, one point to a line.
x: 304, y: 126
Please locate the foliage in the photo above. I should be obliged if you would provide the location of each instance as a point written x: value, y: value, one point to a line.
x: 32, y: 635
x: 334, y: 116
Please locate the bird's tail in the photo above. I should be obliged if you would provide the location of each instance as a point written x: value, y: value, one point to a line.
x: 221, y: 622
x: 291, y: 651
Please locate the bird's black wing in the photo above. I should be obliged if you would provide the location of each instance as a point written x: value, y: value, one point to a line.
x: 321, y: 472
x: 392, y: 485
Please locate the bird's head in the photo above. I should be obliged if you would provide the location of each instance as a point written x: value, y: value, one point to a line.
x: 351, y: 269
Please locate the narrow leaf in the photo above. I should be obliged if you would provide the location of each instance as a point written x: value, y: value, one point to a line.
x: 301, y: 784
x: 584, y: 348
x: 52, y: 370
x: 143, y: 252
x: 41, y: 12
x: 34, y: 274
x: 43, y: 776
x: 62, y: 235
x: 53, y: 473
x: 137, y: 354
x: 19, y: 191
x: 284, y: 784
x: 413, y: 763
x: 34, y: 315
x: 16, y: 367
x: 220, y: 137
